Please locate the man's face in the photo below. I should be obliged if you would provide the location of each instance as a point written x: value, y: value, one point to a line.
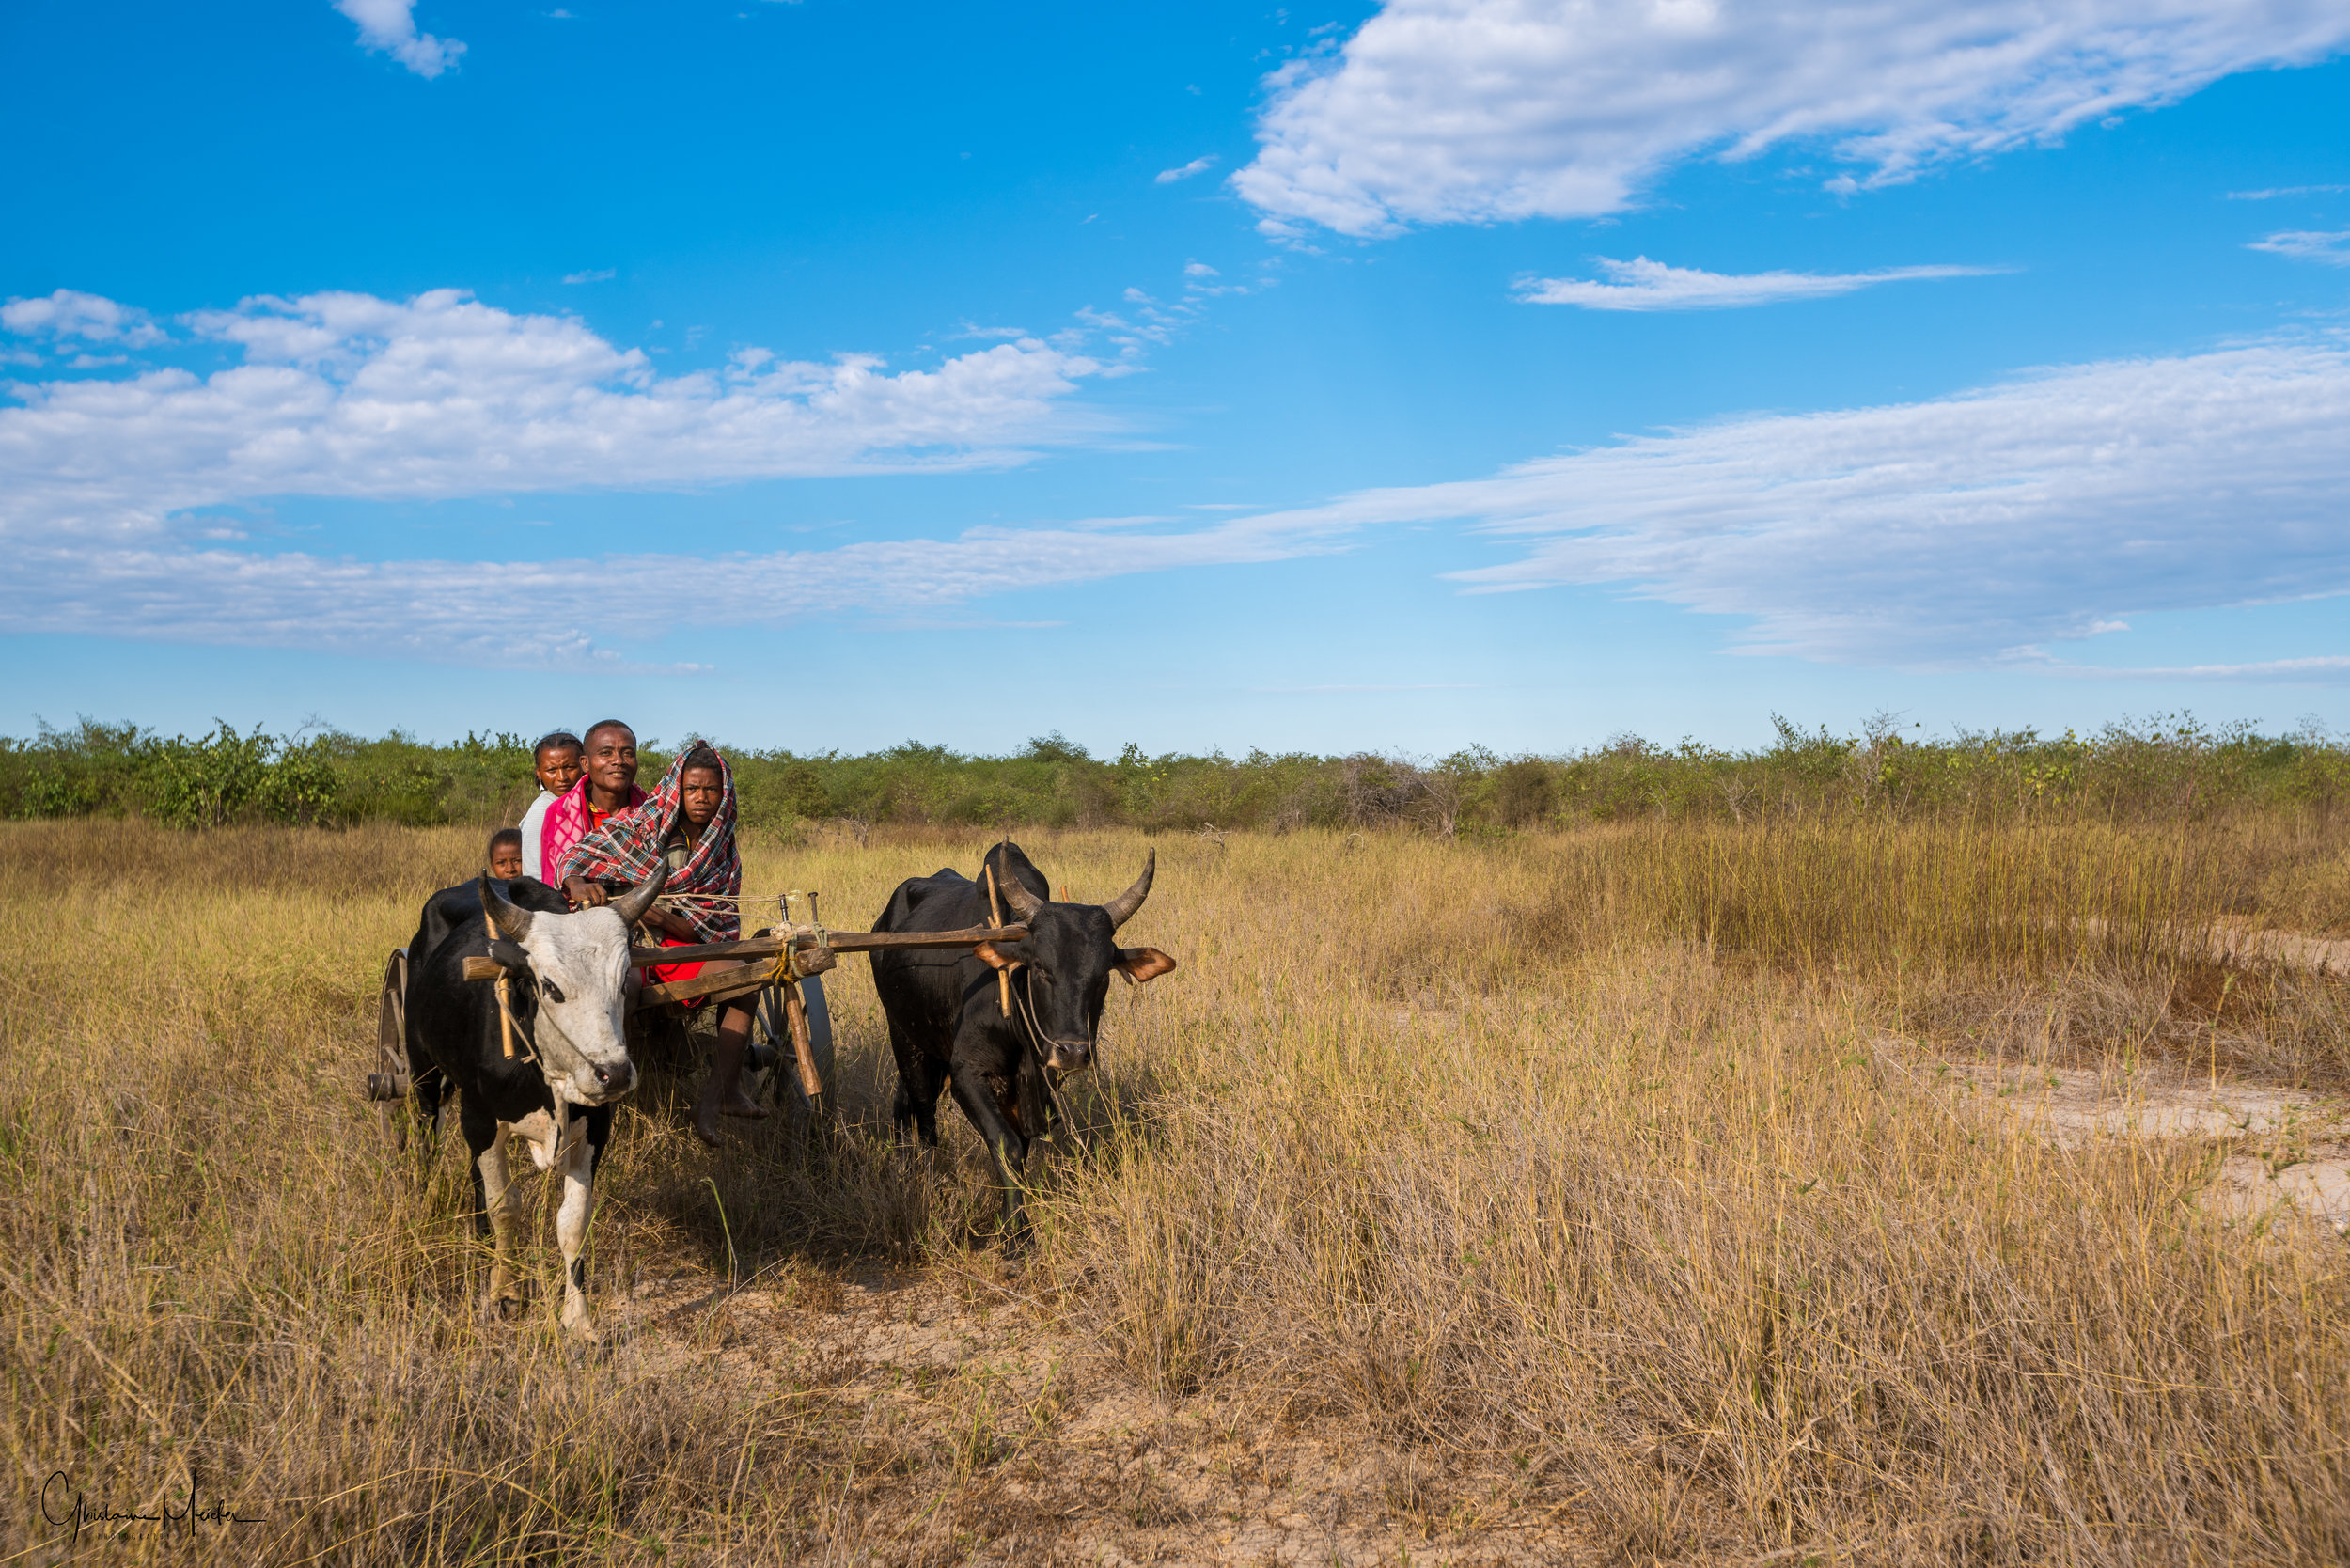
x: 558, y: 769
x: 612, y: 761
x: 698, y: 794
x: 505, y: 861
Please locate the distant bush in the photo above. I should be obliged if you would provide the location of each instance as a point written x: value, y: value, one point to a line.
x: 2169, y: 767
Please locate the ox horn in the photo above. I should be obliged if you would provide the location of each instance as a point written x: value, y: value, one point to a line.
x: 1122, y: 908
x: 631, y: 906
x: 507, y: 918
x: 1024, y: 904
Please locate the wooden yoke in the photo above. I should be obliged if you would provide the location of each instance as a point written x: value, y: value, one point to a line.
x: 808, y: 957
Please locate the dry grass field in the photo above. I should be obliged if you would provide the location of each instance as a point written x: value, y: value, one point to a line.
x: 1606, y: 1196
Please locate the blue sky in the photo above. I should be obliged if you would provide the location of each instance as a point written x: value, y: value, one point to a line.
x: 1406, y: 377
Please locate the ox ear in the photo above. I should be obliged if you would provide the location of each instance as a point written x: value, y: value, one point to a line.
x: 995, y: 957
x: 507, y: 919
x: 1135, y: 964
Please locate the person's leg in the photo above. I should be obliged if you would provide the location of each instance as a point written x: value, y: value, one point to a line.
x: 722, y: 1092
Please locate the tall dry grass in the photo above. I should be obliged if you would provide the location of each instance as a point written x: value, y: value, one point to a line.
x: 1586, y: 1157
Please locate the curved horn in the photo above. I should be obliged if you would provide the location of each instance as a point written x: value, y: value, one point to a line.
x: 631, y: 906
x: 1122, y: 908
x: 1024, y: 904
x: 507, y: 918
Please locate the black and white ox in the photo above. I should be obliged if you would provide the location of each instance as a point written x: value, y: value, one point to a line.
x: 947, y: 1024
x: 567, y: 978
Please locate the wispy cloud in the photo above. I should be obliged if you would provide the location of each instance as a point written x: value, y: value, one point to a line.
x: 1968, y: 530
x: 1975, y: 530
x: 389, y: 27
x: 351, y: 396
x: 110, y: 489
x: 1154, y: 318
x: 2322, y: 670
x: 2287, y: 191
x: 466, y: 613
x: 1197, y: 165
x: 1414, y: 686
x: 2302, y: 245
x: 599, y: 274
x: 1641, y: 284
x: 1476, y: 111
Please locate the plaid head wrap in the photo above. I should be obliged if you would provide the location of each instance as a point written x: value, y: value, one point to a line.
x: 632, y: 846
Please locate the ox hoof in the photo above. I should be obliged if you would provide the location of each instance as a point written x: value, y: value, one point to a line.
x: 581, y: 1329
x: 505, y: 1303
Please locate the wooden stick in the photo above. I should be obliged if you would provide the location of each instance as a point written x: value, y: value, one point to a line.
x: 995, y: 912
x: 506, y: 1018
x: 839, y: 941
x: 802, y: 1044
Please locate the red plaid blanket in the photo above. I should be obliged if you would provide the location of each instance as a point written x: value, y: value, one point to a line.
x: 630, y: 847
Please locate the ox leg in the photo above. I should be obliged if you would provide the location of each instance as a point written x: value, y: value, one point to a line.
x: 429, y: 1090
x: 570, y: 1220
x: 915, y: 1109
x: 1006, y: 1145
x: 495, y: 1197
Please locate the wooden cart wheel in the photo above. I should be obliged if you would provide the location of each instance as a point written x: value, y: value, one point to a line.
x: 387, y: 1085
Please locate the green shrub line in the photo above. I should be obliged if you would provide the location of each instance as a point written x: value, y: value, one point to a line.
x: 2171, y: 767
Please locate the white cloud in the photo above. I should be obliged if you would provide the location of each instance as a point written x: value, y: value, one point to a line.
x: 1197, y: 165
x: 1641, y: 284
x: 2304, y: 244
x: 350, y: 396
x: 1441, y: 111
x: 69, y: 313
x: 1966, y: 530
x: 390, y: 26
x: 466, y: 612
x: 2286, y: 191
x: 1978, y: 529
x: 600, y: 275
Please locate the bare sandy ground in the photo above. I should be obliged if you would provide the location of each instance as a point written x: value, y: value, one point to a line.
x: 1064, y: 1457
x: 2295, y: 1165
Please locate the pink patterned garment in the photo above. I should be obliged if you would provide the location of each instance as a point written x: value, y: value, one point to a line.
x: 567, y: 823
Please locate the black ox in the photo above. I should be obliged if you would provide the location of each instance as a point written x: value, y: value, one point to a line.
x: 948, y: 1025
x: 567, y: 992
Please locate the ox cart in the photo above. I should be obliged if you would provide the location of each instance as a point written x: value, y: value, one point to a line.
x: 780, y: 967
